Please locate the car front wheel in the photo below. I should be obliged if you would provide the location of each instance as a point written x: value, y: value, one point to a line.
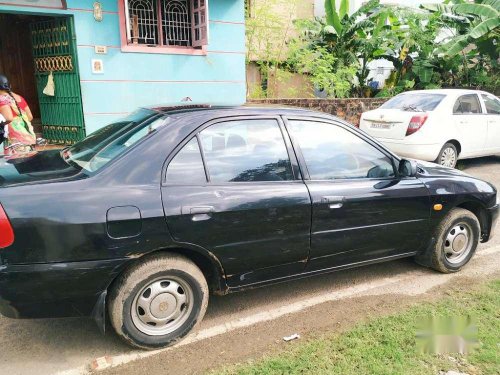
x: 158, y: 302
x: 457, y: 238
x: 448, y: 156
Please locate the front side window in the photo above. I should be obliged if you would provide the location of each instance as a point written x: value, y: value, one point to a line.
x: 331, y: 152
x: 181, y: 23
x: 492, y: 104
x: 246, y: 151
x: 467, y: 104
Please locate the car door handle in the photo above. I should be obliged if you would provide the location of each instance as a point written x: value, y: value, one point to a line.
x: 199, y: 213
x: 333, y: 201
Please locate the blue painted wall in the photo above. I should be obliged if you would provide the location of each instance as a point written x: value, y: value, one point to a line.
x: 136, y: 79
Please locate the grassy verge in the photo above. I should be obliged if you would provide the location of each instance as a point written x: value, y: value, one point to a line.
x: 387, y: 345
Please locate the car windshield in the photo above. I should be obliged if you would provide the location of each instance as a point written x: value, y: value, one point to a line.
x: 414, y: 102
x: 107, y: 143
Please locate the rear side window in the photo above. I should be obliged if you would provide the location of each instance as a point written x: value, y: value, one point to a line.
x: 467, y: 104
x: 414, y: 102
x: 246, y: 151
x: 187, y: 166
x: 492, y: 104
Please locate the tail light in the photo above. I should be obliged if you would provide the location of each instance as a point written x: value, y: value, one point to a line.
x: 416, y: 123
x: 6, y: 231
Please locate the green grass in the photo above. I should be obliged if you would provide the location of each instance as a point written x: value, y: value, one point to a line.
x: 387, y: 345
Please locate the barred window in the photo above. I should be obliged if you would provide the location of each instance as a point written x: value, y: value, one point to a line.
x: 181, y: 23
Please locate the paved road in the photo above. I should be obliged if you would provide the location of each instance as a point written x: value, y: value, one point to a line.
x: 51, y: 346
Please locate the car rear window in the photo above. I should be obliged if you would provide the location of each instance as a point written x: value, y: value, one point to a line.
x: 414, y: 102
x: 109, y: 142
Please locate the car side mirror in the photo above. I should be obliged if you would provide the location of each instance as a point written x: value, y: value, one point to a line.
x: 407, y: 168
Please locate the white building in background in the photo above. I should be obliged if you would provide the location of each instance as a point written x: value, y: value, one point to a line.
x: 379, y: 69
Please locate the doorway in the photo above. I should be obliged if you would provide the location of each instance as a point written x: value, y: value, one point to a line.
x: 32, y: 49
x: 16, y: 61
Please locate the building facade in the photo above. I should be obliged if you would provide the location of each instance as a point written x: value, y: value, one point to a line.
x: 106, y: 58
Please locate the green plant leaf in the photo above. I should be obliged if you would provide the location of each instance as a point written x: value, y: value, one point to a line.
x: 476, y: 10
x: 344, y: 9
x: 455, y: 46
x: 442, y: 8
x: 485, y: 27
x: 366, y: 8
x: 332, y: 17
x: 493, y: 3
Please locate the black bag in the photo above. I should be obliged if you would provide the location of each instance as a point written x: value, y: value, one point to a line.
x: 2, y: 131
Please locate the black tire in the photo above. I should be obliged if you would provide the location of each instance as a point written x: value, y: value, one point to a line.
x: 153, y: 269
x: 438, y: 258
x: 442, y: 157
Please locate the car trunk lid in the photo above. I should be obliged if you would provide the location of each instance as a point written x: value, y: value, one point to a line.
x: 387, y: 123
x: 35, y: 167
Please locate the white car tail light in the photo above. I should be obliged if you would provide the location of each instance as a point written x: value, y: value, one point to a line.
x: 416, y: 123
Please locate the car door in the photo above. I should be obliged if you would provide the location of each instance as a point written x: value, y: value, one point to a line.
x: 235, y: 190
x: 472, y: 126
x: 361, y: 209
x: 492, y: 107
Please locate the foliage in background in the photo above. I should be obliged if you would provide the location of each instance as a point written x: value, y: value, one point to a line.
x: 327, y: 73
x: 344, y: 43
x: 454, y: 44
x: 267, y: 35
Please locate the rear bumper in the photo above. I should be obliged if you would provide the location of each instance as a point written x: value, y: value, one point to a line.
x: 55, y: 289
x: 415, y: 151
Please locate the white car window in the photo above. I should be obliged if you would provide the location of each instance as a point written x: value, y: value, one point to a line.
x: 467, y: 105
x: 492, y: 104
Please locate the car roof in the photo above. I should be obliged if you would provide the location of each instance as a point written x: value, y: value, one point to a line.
x: 445, y: 91
x: 247, y: 109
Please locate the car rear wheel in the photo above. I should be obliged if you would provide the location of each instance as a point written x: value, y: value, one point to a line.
x: 457, y: 237
x: 448, y: 156
x: 158, y: 302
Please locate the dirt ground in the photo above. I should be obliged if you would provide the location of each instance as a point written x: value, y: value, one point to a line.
x: 266, y: 339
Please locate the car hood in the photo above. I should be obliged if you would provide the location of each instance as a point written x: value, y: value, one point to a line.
x: 435, y: 170
x: 34, y: 167
x: 444, y: 180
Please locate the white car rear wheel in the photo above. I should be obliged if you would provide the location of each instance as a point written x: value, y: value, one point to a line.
x: 448, y: 156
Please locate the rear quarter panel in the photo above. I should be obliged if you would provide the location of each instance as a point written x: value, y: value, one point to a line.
x: 66, y: 221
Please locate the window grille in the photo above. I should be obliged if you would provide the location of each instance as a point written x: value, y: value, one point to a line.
x: 167, y: 22
x: 176, y: 23
x: 144, y: 21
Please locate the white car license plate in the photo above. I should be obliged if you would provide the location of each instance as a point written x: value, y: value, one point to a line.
x: 381, y: 125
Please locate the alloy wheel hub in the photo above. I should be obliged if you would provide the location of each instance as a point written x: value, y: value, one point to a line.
x: 448, y: 158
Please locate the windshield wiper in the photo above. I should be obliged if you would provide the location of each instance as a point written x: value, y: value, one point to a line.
x: 412, y: 108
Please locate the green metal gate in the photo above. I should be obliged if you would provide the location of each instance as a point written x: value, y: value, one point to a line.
x: 54, y: 50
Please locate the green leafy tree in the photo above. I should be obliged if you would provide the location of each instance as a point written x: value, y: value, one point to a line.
x: 350, y: 39
x: 476, y: 26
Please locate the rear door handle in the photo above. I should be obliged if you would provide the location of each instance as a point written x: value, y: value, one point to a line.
x: 333, y: 201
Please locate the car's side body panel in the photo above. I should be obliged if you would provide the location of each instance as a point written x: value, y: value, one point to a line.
x: 67, y: 250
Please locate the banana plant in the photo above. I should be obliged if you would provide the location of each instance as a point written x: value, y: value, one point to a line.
x: 482, y: 26
x: 353, y: 38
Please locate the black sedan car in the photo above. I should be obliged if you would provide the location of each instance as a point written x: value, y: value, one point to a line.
x: 140, y: 221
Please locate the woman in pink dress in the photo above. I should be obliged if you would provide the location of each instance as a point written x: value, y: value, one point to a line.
x: 18, y: 116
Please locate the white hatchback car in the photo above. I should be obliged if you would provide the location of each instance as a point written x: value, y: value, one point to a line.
x: 438, y: 125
